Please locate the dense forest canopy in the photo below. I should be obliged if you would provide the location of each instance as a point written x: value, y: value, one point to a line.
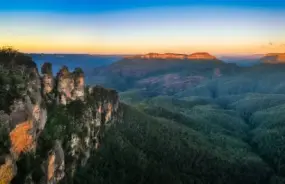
x: 181, y: 122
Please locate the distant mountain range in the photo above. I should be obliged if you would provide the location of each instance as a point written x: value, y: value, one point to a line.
x: 89, y: 62
x: 85, y: 61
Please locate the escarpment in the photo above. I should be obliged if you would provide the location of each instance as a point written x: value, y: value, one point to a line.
x: 49, y: 126
x: 193, y: 56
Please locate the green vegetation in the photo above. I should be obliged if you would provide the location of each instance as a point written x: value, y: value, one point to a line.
x: 235, y: 119
x: 227, y: 129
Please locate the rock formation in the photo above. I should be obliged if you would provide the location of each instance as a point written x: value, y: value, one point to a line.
x: 47, y: 78
x: 24, y: 128
x: 163, y: 56
x: 25, y: 116
x: 65, y: 85
x: 7, y: 170
x: 201, y: 56
x: 78, y: 90
x: 70, y: 86
x: 55, y: 164
x: 274, y: 58
x: 194, y: 56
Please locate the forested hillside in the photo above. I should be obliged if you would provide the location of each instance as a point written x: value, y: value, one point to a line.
x: 226, y: 128
x: 177, y: 121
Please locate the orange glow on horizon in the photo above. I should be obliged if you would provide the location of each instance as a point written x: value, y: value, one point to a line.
x: 178, y: 30
x: 109, y: 49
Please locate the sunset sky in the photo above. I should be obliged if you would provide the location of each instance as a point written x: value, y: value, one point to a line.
x: 141, y: 26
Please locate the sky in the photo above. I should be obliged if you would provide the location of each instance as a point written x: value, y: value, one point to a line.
x: 140, y: 26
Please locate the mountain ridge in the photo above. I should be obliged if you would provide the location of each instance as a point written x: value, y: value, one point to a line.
x: 193, y: 56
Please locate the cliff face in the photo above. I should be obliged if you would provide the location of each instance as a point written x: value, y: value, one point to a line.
x: 163, y: 56
x: 28, y: 136
x: 23, y: 120
x: 201, y: 55
x: 194, y: 56
x: 274, y: 58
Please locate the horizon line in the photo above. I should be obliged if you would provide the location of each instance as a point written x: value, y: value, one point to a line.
x: 129, y: 54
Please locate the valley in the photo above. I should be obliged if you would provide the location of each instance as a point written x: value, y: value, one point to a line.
x: 171, y: 121
x: 231, y: 109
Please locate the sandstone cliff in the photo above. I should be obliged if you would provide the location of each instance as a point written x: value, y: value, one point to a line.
x: 65, y: 85
x: 35, y: 148
x: 23, y: 115
x: 194, y: 56
x: 70, y: 85
x: 201, y: 55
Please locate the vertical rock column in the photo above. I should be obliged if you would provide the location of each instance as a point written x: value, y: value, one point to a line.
x: 65, y: 86
x: 78, y: 91
x: 47, y: 78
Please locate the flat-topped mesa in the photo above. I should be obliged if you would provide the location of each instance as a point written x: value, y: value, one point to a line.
x: 47, y: 78
x: 194, y: 56
x: 274, y: 58
x: 201, y: 56
x: 163, y: 56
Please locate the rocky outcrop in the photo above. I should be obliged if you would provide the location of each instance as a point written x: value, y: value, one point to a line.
x: 70, y: 86
x: 201, y: 56
x: 274, y: 58
x: 99, y: 112
x: 78, y: 90
x: 27, y: 118
x: 7, y: 170
x: 163, y: 56
x: 55, y: 164
x: 65, y: 86
x: 47, y: 79
x: 24, y: 119
x: 24, y: 128
x: 194, y: 56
